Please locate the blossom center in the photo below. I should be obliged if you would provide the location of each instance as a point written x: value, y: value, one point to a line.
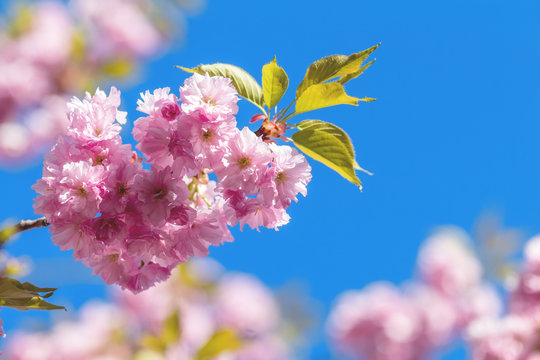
x: 208, y: 100
x: 122, y: 189
x: 159, y: 194
x: 208, y: 136
x: 281, y: 177
x: 244, y: 162
x: 81, y: 191
x: 170, y: 111
x: 114, y: 257
x: 98, y: 160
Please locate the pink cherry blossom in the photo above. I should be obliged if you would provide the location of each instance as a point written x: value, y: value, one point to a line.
x: 158, y: 192
x: 214, y: 97
x: 246, y: 305
x: 510, y: 338
x: 378, y: 323
x: 289, y: 175
x: 446, y: 263
x: 245, y: 163
x: 425, y: 315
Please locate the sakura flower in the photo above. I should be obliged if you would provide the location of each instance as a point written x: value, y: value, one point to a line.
x: 120, y: 181
x: 290, y: 173
x: 109, y: 264
x: 159, y: 192
x: 246, y: 305
x: 195, y: 238
x: 446, y: 263
x: 214, y: 97
x: 377, y: 324
x: 440, y: 317
x: 77, y: 236
x: 80, y: 189
x: 92, y: 119
x: 129, y: 31
x: 245, y: 163
x: 47, y: 42
x: 146, y: 276
x: 510, y: 338
x: 154, y: 136
x: 159, y: 104
x: 209, y: 140
x: 525, y: 297
x: 268, y: 217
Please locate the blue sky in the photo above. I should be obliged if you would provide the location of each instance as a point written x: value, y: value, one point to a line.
x: 454, y: 132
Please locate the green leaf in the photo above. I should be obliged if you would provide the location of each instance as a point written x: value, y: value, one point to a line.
x: 328, y: 144
x: 7, y: 233
x: 245, y: 84
x: 21, y: 22
x: 118, y: 68
x: 153, y: 343
x: 146, y: 354
x: 78, y: 45
x: 275, y: 83
x: 25, y: 296
x: 170, y: 334
x: 335, y: 131
x: 333, y: 66
x: 222, y: 340
x: 346, y: 78
x: 171, y: 329
x: 323, y: 95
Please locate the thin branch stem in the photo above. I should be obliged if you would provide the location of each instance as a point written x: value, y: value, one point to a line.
x: 283, y: 111
x: 24, y: 225
x: 289, y: 116
x: 21, y: 226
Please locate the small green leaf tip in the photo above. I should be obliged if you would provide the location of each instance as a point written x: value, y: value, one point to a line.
x: 330, y: 67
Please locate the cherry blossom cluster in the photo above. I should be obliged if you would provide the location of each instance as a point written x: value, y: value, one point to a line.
x: 131, y: 223
x: 383, y: 322
x: 52, y: 49
x: 206, y: 301
x: 515, y: 336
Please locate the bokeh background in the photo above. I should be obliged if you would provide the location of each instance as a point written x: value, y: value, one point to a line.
x: 454, y: 132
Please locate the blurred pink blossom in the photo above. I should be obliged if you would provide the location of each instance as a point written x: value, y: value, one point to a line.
x: 51, y: 50
x: 205, y: 300
x: 382, y: 322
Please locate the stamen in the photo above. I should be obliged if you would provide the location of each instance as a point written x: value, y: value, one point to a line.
x: 244, y: 162
x: 209, y: 100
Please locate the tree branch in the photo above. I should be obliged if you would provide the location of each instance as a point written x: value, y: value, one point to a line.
x: 21, y: 226
x: 24, y: 225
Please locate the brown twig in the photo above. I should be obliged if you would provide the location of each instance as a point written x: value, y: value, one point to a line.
x: 24, y: 225
x: 21, y: 226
